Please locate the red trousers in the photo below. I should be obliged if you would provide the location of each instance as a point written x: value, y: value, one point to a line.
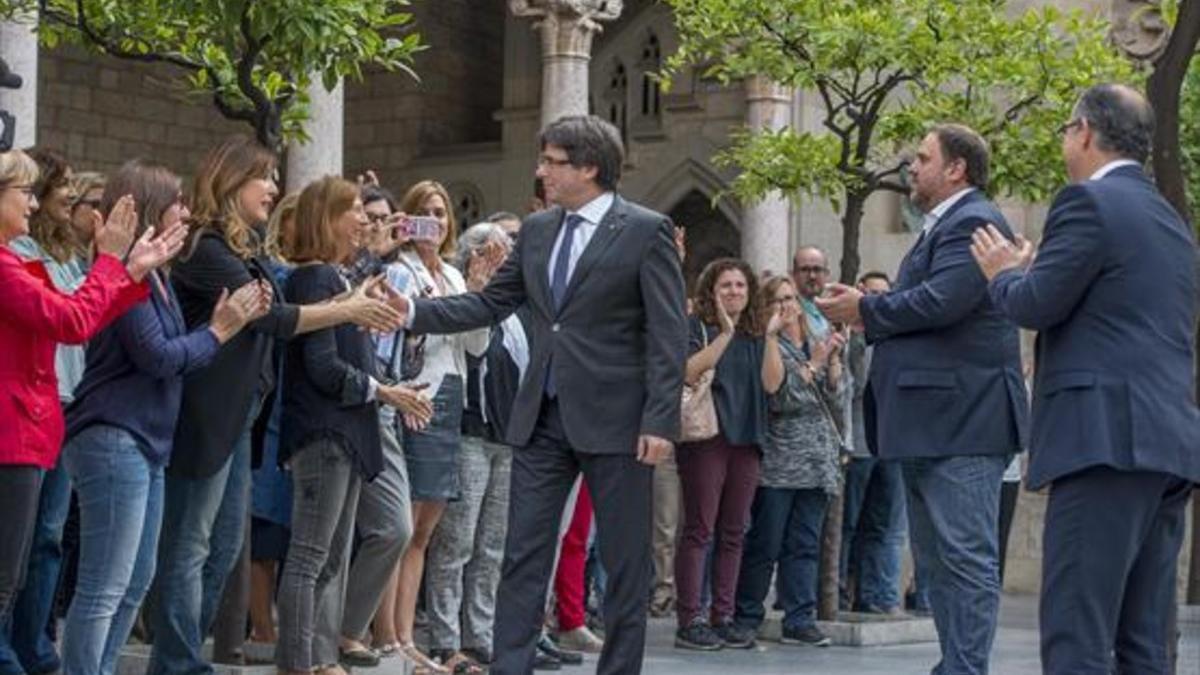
x: 569, y: 578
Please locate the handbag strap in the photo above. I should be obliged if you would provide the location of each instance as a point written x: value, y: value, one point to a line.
x: 816, y: 391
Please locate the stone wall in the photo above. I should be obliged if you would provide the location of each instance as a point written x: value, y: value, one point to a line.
x: 100, y: 111
x: 392, y: 119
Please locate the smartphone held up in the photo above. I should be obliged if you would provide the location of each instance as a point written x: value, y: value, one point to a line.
x: 417, y: 228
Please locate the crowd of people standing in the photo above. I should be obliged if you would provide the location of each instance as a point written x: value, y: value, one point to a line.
x: 378, y: 420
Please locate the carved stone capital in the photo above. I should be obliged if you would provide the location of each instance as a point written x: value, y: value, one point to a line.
x: 567, y: 26
x: 1139, y: 29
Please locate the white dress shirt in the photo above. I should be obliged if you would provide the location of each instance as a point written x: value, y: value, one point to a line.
x: 592, y: 213
x: 1112, y: 166
x: 935, y: 214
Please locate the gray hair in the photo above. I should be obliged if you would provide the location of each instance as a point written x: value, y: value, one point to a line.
x: 1122, y: 119
x: 475, y: 238
x: 588, y: 140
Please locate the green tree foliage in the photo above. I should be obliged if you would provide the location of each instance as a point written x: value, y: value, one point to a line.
x: 1189, y: 132
x: 256, y: 58
x: 884, y: 70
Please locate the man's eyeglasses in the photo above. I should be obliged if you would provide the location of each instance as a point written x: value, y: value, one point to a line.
x: 1077, y: 122
x: 811, y: 270
x: 552, y: 161
x: 376, y: 218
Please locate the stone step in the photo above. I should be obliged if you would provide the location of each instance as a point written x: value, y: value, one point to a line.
x: 854, y: 629
x: 1189, y: 614
x: 135, y: 660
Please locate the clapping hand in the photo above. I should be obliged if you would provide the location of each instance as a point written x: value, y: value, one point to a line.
x: 785, y: 313
x: 723, y: 318
x: 994, y: 253
x: 840, y: 305
x: 114, y: 235
x: 412, y: 403
x: 234, y: 310
x: 368, y: 178
x: 485, y: 260
x: 151, y: 251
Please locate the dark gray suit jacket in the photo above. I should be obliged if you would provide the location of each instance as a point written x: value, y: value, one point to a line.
x: 618, y: 344
x: 945, y: 374
x: 1113, y: 293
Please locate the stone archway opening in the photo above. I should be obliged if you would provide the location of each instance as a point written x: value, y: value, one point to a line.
x: 710, y: 234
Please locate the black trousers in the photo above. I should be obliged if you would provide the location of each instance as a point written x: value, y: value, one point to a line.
x: 1110, y: 547
x: 20, y: 488
x: 542, y: 475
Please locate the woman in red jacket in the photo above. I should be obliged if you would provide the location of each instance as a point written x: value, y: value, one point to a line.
x: 34, y: 317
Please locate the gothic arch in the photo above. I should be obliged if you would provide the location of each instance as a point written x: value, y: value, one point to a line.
x: 687, y: 176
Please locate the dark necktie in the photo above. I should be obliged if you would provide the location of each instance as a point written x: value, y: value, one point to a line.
x: 562, y: 262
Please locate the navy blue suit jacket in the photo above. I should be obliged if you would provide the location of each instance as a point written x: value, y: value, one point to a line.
x: 945, y: 375
x: 1113, y: 292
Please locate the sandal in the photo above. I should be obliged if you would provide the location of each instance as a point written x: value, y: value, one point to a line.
x: 389, y: 650
x: 422, y: 665
x: 461, y: 664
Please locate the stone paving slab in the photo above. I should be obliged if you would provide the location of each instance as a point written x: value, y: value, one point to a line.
x: 854, y: 629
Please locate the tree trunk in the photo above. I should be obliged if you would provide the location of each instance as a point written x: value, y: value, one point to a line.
x: 1163, y: 89
x: 851, y: 234
x: 831, y: 560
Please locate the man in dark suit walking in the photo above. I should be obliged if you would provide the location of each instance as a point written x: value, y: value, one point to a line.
x: 601, y: 394
x: 1116, y: 431
x: 945, y: 394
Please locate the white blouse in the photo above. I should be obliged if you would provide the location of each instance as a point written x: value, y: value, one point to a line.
x: 444, y: 354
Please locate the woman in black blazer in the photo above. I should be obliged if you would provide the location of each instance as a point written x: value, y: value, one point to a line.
x: 330, y: 428
x: 208, y: 481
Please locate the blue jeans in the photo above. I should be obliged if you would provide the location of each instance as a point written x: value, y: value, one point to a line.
x: 25, y: 645
x: 785, y: 527
x: 120, y: 513
x: 203, y: 523
x: 954, y: 505
x: 872, y: 533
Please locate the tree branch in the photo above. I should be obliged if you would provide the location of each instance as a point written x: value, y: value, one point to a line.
x: 111, y: 44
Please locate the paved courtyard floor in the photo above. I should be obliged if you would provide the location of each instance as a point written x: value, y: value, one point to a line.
x: 1015, y: 653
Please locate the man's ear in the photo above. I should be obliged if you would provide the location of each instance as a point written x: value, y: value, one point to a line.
x: 590, y: 172
x: 958, y: 170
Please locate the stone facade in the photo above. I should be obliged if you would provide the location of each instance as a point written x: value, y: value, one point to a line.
x: 472, y: 120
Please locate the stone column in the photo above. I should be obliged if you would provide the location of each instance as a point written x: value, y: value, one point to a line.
x: 322, y: 154
x: 765, y: 224
x: 566, y: 28
x: 19, y: 48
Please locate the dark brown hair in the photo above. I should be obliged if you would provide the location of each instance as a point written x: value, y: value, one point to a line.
x: 56, y: 238
x: 959, y: 141
x: 705, y: 308
x: 312, y: 235
x: 154, y: 189
x: 219, y: 180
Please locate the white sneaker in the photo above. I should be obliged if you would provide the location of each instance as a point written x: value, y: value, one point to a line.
x: 580, y: 640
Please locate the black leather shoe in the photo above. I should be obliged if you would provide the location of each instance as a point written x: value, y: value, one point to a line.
x: 546, y: 646
x: 543, y: 661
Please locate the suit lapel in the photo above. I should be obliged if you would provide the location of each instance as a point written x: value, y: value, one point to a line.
x: 924, y: 242
x: 602, y: 238
x: 540, y: 248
